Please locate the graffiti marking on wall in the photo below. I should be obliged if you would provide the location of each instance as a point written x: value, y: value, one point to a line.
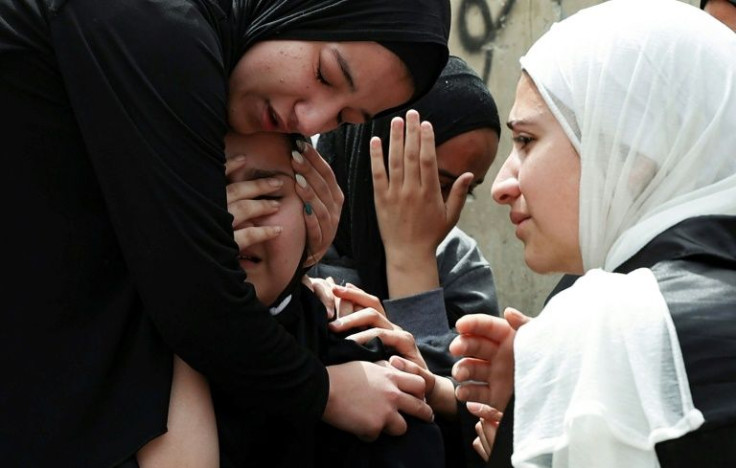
x: 481, y: 41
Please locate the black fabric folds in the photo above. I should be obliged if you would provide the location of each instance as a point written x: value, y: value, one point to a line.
x: 458, y: 103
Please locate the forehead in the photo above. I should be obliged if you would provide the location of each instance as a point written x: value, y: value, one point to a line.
x: 472, y: 151
x: 376, y: 72
x: 263, y: 151
x: 267, y: 146
x: 529, y: 104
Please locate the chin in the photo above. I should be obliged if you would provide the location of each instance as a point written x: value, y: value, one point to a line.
x: 541, y: 266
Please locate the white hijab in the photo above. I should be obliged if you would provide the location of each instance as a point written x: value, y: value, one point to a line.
x: 646, y: 92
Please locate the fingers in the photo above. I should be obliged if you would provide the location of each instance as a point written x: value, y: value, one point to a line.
x: 395, y: 425
x: 316, y: 217
x: 478, y: 447
x: 515, y: 318
x: 323, y: 290
x: 247, y: 236
x: 411, y: 152
x: 474, y: 346
x: 407, y: 365
x: 242, y: 199
x: 480, y: 410
x: 322, y: 197
x: 486, y: 427
x: 487, y: 326
x: 401, y: 341
x: 344, y: 307
x: 250, y: 189
x: 466, y: 369
x: 396, y: 153
x: 378, y: 169
x: 412, y: 405
x: 473, y: 391
x: 321, y: 166
x: 359, y: 297
x: 243, y: 211
x: 428, y: 159
x: 362, y: 319
x: 233, y: 163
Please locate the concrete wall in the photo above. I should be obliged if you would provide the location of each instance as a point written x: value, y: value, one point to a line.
x: 491, y: 35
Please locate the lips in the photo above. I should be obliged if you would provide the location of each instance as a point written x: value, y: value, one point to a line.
x: 517, y: 218
x: 249, y: 257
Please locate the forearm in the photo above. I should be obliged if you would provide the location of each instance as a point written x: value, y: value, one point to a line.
x: 410, y: 273
x: 191, y: 438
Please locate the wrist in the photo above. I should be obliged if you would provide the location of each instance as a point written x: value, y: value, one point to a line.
x: 411, y: 276
x: 442, y: 400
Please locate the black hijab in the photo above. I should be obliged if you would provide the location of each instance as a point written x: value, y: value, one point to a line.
x: 458, y: 103
x: 415, y: 30
x: 703, y: 2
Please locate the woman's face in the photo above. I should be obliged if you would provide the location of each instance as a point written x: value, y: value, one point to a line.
x: 472, y: 151
x: 540, y: 181
x: 271, y: 265
x: 312, y: 87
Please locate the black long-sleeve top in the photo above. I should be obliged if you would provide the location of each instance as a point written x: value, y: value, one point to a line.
x: 112, y: 135
x: 122, y: 249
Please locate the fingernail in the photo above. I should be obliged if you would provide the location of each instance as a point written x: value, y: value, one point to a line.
x: 275, y: 182
x: 274, y: 203
x: 473, y: 406
x: 301, y: 180
x: 297, y: 157
x: 301, y: 145
x: 239, y: 158
x: 308, y: 208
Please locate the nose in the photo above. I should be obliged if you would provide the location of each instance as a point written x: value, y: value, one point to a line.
x: 505, y: 188
x: 317, y: 116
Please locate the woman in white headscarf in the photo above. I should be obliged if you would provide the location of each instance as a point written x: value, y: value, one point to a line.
x: 623, y: 171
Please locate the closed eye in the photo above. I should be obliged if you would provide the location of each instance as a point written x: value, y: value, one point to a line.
x: 320, y: 75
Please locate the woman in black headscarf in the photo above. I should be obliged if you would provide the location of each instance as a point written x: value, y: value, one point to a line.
x: 115, y: 114
x: 466, y: 125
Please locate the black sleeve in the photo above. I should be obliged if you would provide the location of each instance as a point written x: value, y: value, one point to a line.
x: 148, y: 87
x: 503, y: 445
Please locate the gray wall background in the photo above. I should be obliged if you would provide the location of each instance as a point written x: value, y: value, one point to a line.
x: 491, y: 35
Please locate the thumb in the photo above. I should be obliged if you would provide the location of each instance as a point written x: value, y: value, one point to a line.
x: 456, y: 198
x: 515, y: 318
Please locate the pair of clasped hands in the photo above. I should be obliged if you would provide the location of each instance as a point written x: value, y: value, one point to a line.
x: 413, y: 219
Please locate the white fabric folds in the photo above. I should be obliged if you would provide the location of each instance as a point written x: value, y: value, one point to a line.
x: 646, y: 92
x: 600, y: 378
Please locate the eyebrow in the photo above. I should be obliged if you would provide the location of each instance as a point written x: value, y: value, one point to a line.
x: 511, y: 124
x: 255, y: 174
x: 348, y: 75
